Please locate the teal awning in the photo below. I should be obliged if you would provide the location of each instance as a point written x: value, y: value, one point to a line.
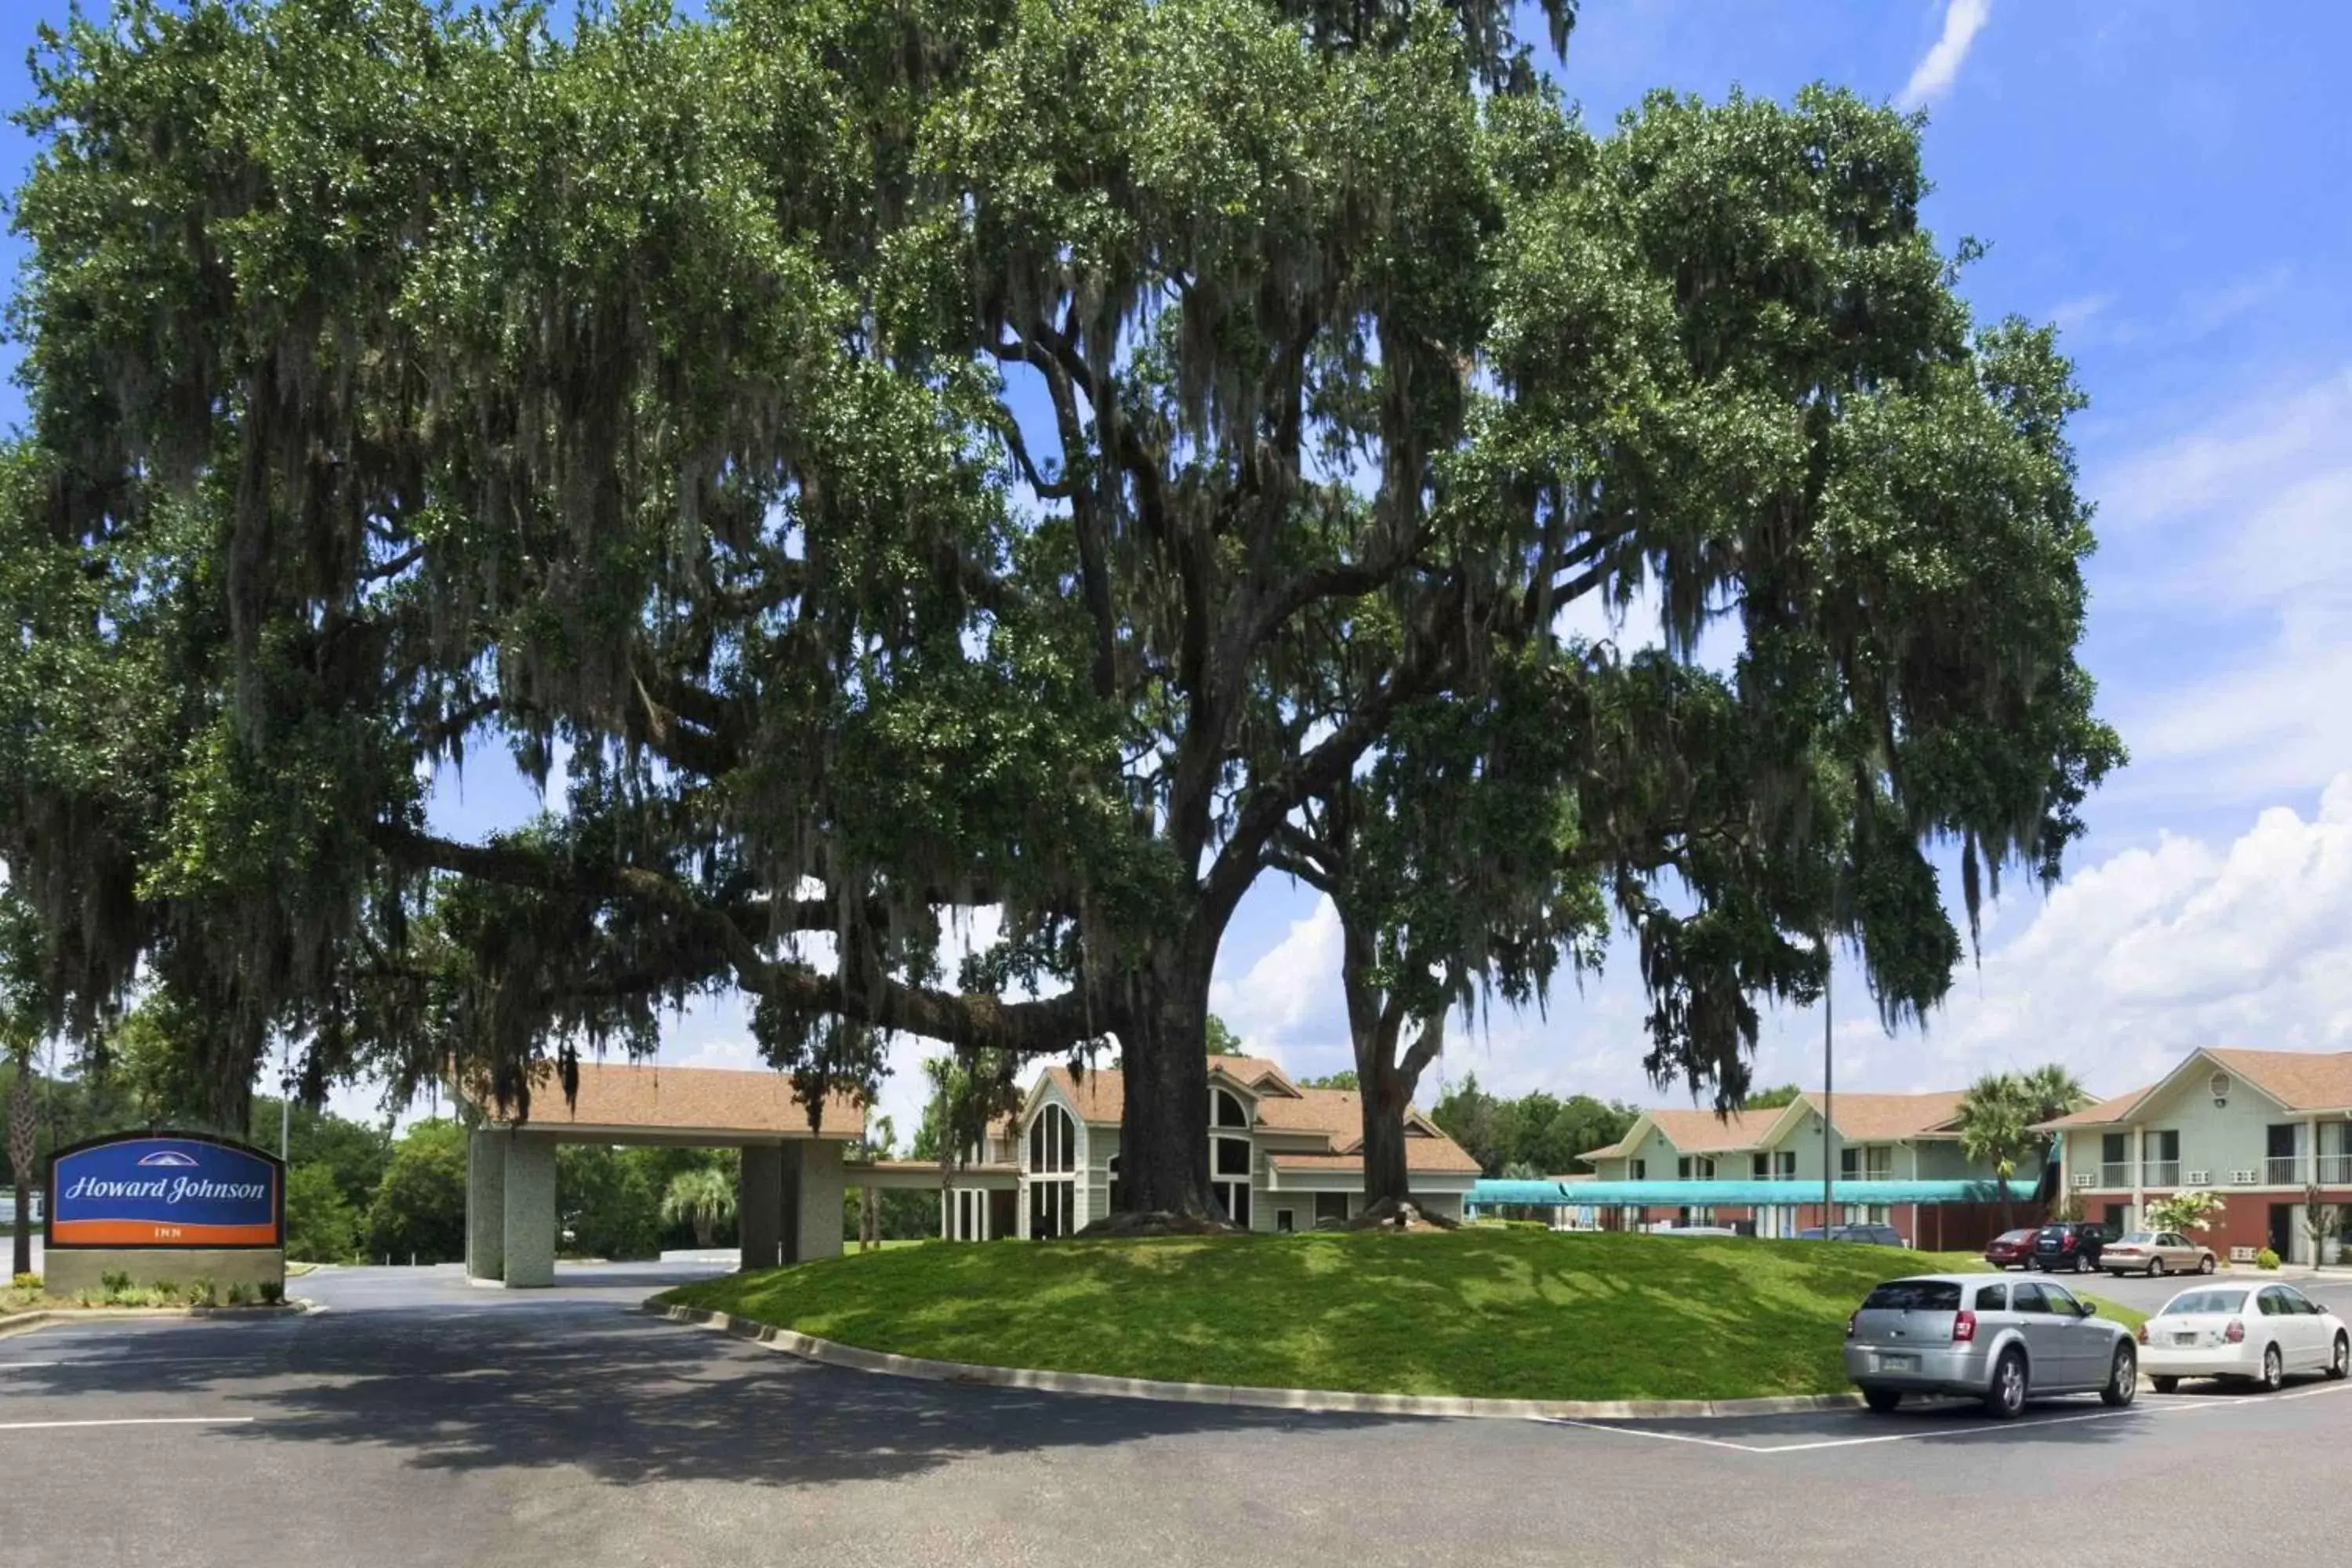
x: 1741, y: 1194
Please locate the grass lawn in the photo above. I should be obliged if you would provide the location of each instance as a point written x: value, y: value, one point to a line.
x: 1497, y: 1313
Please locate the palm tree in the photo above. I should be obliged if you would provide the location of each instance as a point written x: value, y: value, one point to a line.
x: 703, y: 1197
x: 1996, y: 1120
x: 2053, y: 1091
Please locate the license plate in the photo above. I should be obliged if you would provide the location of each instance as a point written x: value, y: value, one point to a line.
x: 2184, y: 1339
x: 1898, y: 1364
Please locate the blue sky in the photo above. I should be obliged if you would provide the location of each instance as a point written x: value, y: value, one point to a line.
x: 2167, y: 180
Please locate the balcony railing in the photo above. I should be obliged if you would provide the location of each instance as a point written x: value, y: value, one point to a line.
x: 2116, y: 1175
x: 2283, y: 1170
x: 2162, y: 1174
x: 2336, y: 1170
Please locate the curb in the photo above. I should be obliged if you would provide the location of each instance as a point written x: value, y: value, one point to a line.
x: 1327, y: 1401
x: 26, y: 1322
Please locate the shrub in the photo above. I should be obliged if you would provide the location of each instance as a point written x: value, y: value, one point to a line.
x: 203, y: 1294
x: 238, y: 1294
x: 272, y: 1292
x: 116, y: 1285
x: 2266, y: 1259
x: 28, y: 1283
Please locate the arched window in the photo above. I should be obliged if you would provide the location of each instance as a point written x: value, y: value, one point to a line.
x: 1229, y: 1157
x: 1053, y: 1171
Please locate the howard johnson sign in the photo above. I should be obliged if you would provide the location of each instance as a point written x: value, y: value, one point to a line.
x: 165, y: 1190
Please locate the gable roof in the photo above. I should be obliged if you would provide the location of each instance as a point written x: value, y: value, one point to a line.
x: 1690, y: 1131
x: 1860, y: 1117
x: 1874, y: 1118
x: 2298, y: 1081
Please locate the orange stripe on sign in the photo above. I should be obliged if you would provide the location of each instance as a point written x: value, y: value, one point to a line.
x: 156, y: 1233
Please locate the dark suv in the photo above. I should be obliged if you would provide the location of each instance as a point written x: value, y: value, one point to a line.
x: 2072, y: 1245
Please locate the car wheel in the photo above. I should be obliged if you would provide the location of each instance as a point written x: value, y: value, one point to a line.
x: 2274, y: 1369
x: 1882, y: 1399
x: 2205, y: 1264
x: 2340, y: 1365
x: 2005, y: 1399
x: 2123, y: 1377
x: 2156, y: 1267
x: 2165, y: 1385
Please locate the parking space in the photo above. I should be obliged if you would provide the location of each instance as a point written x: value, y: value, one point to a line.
x: 480, y: 1427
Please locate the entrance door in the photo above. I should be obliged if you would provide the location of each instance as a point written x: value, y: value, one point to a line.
x: 2282, y: 1229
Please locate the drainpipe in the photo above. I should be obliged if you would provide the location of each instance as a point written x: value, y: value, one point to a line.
x: 1829, y: 1101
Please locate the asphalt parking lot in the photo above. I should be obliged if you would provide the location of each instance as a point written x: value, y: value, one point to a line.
x: 420, y: 1422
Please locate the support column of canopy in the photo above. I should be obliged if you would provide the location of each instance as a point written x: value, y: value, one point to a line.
x: 760, y: 1205
x: 813, y: 1185
x: 486, y: 1203
x: 530, y: 1223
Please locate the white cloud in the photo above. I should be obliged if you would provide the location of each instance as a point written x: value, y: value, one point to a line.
x: 2131, y: 964
x: 2072, y: 315
x: 1934, y: 75
x: 2224, y: 565
x: 1290, y: 997
x: 2156, y: 951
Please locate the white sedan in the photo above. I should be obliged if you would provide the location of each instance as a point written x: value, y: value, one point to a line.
x: 2257, y: 1333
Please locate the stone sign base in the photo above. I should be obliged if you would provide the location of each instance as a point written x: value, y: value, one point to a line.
x: 72, y: 1270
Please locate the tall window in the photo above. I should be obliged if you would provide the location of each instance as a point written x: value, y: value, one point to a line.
x: 1053, y: 1173
x: 1229, y: 1156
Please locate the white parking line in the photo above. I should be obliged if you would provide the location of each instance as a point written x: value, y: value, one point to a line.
x: 2163, y: 1406
x: 1645, y: 1432
x: 131, y: 1421
x: 1944, y: 1432
x: 24, y: 1366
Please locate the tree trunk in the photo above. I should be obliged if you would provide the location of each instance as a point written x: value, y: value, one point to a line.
x: 1385, y: 1079
x: 20, y: 1157
x: 1160, y: 1011
x: 702, y: 1229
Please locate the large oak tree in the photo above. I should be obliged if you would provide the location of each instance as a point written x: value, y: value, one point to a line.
x: 909, y: 457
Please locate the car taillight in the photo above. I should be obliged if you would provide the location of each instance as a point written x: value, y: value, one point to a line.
x: 1853, y: 1319
x: 1964, y: 1328
x: 2235, y: 1333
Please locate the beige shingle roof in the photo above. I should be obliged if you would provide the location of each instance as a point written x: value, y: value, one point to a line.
x: 1863, y: 1118
x: 2100, y: 1114
x: 1436, y: 1155
x: 1705, y: 1133
x: 652, y: 1097
x: 2301, y: 1080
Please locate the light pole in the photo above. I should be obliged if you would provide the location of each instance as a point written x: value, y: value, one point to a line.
x: 1829, y: 1098
x: 285, y: 1097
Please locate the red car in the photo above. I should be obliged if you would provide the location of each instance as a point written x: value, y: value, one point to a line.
x: 2010, y: 1249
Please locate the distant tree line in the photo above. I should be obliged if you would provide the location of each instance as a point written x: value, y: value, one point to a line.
x: 1536, y: 1135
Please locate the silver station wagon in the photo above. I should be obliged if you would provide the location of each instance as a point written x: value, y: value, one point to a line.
x: 1989, y: 1337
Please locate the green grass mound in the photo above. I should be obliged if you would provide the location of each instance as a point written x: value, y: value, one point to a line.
x: 1505, y: 1314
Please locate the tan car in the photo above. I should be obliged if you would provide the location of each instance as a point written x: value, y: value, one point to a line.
x: 2154, y: 1252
